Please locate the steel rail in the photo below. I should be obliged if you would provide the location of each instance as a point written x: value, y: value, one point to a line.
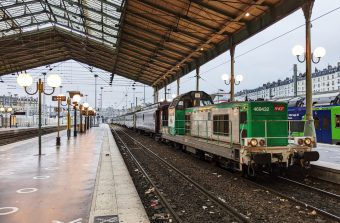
x: 223, y: 205
x: 337, y: 196
x: 15, y: 135
x: 304, y: 204
x: 165, y: 202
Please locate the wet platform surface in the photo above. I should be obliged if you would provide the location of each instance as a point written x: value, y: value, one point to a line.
x: 329, y: 153
x: 56, y: 187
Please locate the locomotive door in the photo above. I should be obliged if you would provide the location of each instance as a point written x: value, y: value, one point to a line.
x: 322, y: 122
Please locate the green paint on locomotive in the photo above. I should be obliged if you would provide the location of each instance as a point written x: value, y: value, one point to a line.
x: 263, y: 119
x: 268, y: 119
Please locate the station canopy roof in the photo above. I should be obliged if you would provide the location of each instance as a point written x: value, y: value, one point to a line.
x: 150, y: 41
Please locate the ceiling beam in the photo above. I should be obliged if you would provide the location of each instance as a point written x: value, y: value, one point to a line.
x: 177, y: 15
x: 151, y: 66
x: 134, y: 37
x: 164, y: 25
x: 157, y: 59
x: 157, y: 35
x: 127, y: 64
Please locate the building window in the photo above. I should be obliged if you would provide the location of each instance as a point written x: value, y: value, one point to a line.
x: 221, y: 125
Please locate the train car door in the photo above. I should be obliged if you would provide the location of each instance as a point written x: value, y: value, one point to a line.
x: 322, y: 120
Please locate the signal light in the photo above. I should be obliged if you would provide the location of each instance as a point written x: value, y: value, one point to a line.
x: 308, y: 141
x: 300, y: 142
x: 262, y: 142
x: 253, y: 142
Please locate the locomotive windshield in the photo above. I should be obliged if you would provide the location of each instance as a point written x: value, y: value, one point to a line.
x: 191, y: 99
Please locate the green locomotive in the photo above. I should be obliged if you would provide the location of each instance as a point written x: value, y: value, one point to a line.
x: 248, y: 136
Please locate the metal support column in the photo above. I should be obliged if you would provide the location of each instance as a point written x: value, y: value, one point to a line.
x: 295, y: 80
x: 75, y: 121
x: 40, y: 90
x: 80, y: 119
x: 309, y: 125
x: 197, y: 76
x: 165, y: 93
x: 232, y: 77
x: 178, y: 79
x: 58, y: 136
x: 68, y: 119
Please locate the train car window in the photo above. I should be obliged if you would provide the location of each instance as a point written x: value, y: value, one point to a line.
x: 325, y: 123
x: 243, y: 117
x: 221, y: 125
x: 337, y: 121
x: 143, y: 117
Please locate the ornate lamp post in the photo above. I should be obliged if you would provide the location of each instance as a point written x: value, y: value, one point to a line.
x: 308, y: 56
x: 25, y: 80
x: 229, y: 80
x: 86, y: 107
x: 76, y: 99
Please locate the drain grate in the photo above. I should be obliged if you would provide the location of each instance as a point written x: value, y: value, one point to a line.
x: 106, y: 219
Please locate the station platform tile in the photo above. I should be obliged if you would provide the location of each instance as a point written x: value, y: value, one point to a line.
x: 59, y: 186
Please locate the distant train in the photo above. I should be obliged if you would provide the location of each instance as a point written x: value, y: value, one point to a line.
x: 326, y: 121
x: 247, y: 136
x: 326, y: 114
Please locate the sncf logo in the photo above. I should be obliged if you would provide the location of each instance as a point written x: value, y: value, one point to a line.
x: 279, y: 108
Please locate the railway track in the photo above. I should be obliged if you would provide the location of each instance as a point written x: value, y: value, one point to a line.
x: 322, y: 201
x: 195, y: 188
x: 15, y: 135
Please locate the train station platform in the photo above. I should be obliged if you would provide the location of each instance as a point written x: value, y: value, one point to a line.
x: 83, y: 180
x: 328, y: 165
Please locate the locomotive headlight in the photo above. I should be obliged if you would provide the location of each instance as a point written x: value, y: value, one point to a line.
x: 253, y: 142
x: 262, y: 142
x: 300, y: 142
x: 308, y: 141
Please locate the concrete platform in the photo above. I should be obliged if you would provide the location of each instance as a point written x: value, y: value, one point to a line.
x: 328, y: 166
x: 57, y: 187
x: 115, y: 194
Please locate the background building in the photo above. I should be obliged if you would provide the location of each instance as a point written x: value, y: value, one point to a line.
x: 326, y: 80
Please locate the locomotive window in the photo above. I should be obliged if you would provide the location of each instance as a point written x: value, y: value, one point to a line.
x: 205, y: 102
x: 243, y: 117
x: 180, y: 105
x: 221, y: 125
x: 337, y: 121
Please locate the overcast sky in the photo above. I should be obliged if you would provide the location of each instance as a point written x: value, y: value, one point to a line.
x: 269, y: 62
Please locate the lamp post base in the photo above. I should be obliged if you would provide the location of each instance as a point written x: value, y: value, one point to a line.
x: 58, y: 141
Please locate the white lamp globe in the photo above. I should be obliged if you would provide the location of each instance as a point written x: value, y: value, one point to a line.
x: 86, y: 105
x: 2, y: 109
x: 9, y: 109
x: 174, y: 95
x: 319, y: 52
x: 90, y: 108
x: 298, y: 50
x: 76, y: 98
x: 239, y: 78
x: 162, y: 99
x: 54, y: 80
x: 225, y: 77
x: 24, y: 80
